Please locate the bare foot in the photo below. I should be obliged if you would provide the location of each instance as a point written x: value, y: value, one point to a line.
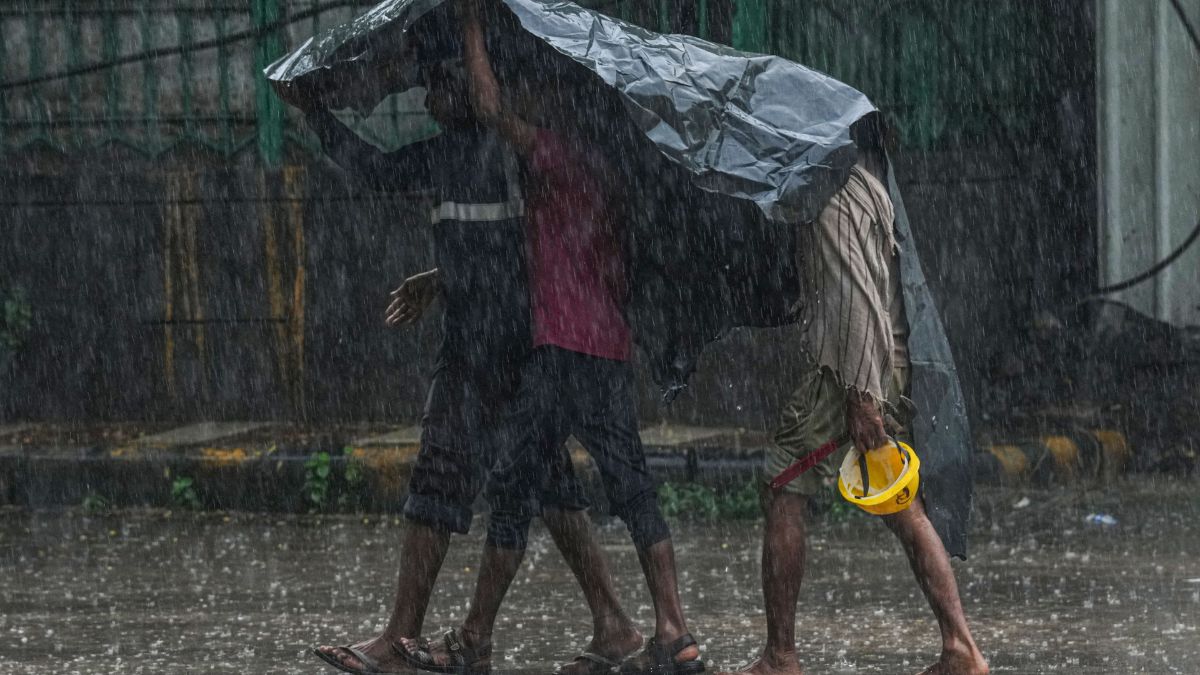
x: 613, y: 644
x: 964, y: 661
x: 786, y: 665
x: 378, y: 649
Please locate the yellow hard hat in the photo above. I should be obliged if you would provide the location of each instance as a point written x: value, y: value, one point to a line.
x: 892, y: 475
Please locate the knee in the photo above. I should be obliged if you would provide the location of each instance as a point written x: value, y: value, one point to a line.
x: 644, y: 519
x: 778, y: 504
x: 768, y: 497
x: 510, y: 534
x: 508, y: 526
x: 905, y: 523
x: 558, y: 519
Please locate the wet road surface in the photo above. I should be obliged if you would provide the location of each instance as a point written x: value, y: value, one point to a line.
x: 159, y: 592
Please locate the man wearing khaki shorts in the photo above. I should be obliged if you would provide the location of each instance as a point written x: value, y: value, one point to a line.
x: 855, y: 336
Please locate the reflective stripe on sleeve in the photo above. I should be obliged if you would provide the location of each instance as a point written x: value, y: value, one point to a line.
x: 477, y: 213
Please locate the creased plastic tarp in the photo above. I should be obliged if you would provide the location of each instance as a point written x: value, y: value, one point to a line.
x: 749, y: 126
x: 754, y: 146
x: 340, y: 65
x: 941, y: 430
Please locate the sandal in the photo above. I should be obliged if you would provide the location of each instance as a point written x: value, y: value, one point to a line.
x: 596, y: 664
x: 463, y: 659
x: 371, y: 665
x: 658, y: 660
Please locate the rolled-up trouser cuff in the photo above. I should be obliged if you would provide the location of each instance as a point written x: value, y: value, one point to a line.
x: 563, y: 495
x: 437, y: 514
x: 509, y: 529
x: 644, y: 519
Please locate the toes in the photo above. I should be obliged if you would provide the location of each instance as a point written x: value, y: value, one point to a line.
x: 424, y: 652
x: 342, y: 656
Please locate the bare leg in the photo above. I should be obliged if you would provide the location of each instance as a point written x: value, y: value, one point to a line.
x: 421, y: 557
x: 496, y: 572
x: 784, y: 552
x: 613, y: 635
x: 658, y: 564
x: 931, y: 566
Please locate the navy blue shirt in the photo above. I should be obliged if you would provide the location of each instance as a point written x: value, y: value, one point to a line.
x: 478, y: 235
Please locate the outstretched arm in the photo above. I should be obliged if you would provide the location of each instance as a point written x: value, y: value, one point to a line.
x: 486, y: 96
x: 404, y: 169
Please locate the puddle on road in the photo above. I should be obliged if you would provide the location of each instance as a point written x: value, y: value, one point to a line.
x: 147, y: 592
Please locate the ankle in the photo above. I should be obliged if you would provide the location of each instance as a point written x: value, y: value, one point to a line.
x: 476, y: 638
x: 668, y: 632
x: 614, y: 623
x: 781, y: 659
x: 963, y: 649
x: 952, y: 643
x: 393, y: 633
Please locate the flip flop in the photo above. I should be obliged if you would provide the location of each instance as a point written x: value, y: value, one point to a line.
x: 372, y: 666
x: 462, y: 657
x: 656, y: 659
x: 597, y: 665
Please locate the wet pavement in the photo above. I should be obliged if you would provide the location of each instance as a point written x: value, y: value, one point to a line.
x: 161, y: 592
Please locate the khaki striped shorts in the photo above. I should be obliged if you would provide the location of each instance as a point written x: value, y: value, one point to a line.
x: 814, y: 414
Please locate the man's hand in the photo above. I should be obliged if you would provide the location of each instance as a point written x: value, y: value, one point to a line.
x: 864, y: 422
x: 413, y: 297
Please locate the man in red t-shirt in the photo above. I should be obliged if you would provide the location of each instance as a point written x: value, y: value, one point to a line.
x: 577, y: 381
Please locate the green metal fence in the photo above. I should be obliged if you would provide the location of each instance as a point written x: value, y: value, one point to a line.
x: 154, y: 76
x: 946, y: 71
x: 157, y: 76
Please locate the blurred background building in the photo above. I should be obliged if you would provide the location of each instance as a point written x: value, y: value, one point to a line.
x: 173, y: 245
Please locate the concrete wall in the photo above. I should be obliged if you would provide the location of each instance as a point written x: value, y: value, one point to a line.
x: 196, y: 284
x: 1149, y: 113
x: 204, y: 290
x: 197, y: 289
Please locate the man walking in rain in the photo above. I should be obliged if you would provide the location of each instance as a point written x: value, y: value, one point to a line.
x: 479, y: 239
x: 856, y: 338
x: 578, y: 379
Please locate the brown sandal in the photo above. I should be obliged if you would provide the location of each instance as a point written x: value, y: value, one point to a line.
x: 596, y: 664
x: 658, y: 660
x: 371, y: 666
x: 463, y: 659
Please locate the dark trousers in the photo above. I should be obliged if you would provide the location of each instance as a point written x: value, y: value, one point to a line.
x: 564, y: 393
x: 459, y: 432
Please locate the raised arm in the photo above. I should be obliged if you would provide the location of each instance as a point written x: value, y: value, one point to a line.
x: 486, y: 97
x: 405, y: 169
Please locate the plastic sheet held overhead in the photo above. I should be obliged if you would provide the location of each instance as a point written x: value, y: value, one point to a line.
x: 941, y: 429
x: 736, y: 150
x: 750, y: 126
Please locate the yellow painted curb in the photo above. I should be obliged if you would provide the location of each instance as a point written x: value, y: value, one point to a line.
x: 1064, y: 451
x: 223, y: 456
x: 1012, y: 459
x: 389, y: 467
x: 1116, y: 449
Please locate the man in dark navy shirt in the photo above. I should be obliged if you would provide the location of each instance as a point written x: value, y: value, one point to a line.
x: 479, y: 240
x: 578, y: 380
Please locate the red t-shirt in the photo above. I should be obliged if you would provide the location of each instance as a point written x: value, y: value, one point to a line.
x: 576, y: 261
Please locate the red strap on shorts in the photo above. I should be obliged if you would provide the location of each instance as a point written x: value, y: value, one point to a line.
x: 793, y: 471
